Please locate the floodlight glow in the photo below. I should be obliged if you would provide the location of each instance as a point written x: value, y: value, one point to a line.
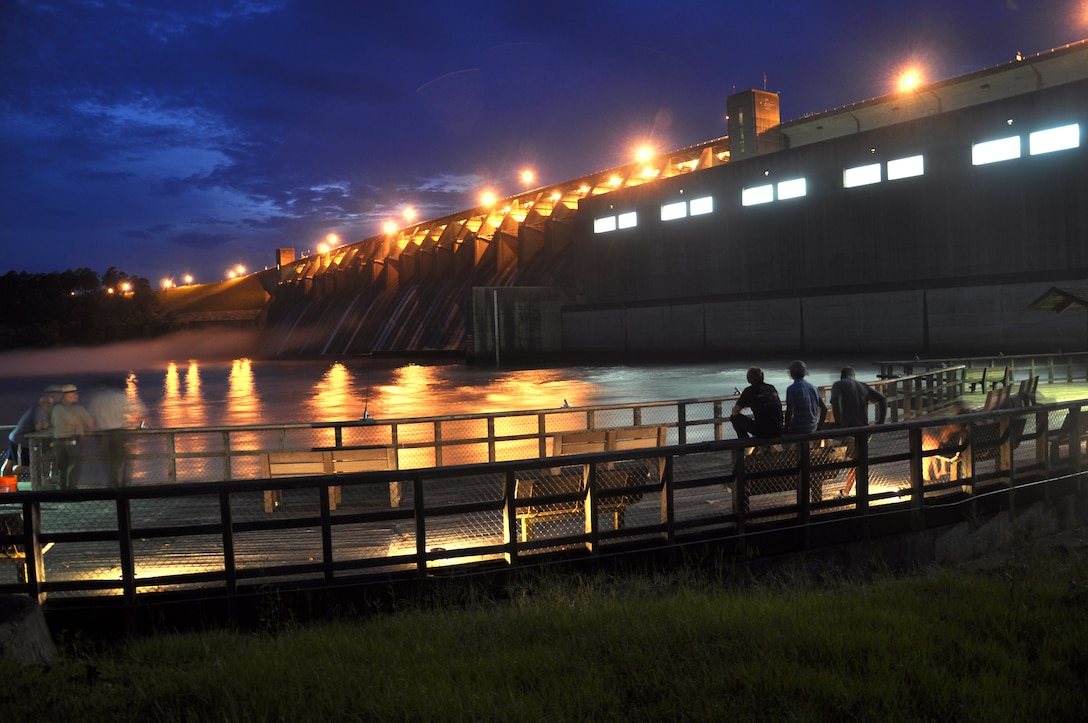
x: 700, y: 206
x: 389, y: 227
x: 1054, y: 139
x: 488, y: 198
x: 906, y: 167
x: 628, y: 220
x: 794, y: 188
x: 909, y: 79
x: 527, y: 176
x: 757, y: 195
x: 644, y: 153
x: 322, y: 248
x: 1002, y: 149
x: 673, y: 211
x: 861, y: 175
x: 614, y: 181
x: 332, y: 239
x: 604, y: 225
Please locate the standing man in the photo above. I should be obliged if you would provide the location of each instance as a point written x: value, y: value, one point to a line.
x: 34, y: 419
x: 850, y: 402
x: 70, y: 422
x: 762, y: 399
x: 805, y: 408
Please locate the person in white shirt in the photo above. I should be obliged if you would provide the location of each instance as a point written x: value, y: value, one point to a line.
x: 115, y: 411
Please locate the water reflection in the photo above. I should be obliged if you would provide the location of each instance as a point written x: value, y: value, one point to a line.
x: 243, y: 400
x: 181, y: 408
x: 334, y: 395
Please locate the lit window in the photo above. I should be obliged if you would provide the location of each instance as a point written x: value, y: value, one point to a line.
x: 699, y: 206
x: 629, y: 219
x: 791, y: 189
x: 861, y: 175
x: 1054, y: 139
x: 906, y: 168
x: 672, y: 211
x: 757, y: 195
x: 1003, y: 149
x: 604, y: 225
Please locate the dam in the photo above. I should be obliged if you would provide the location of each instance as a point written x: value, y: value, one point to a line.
x: 926, y: 222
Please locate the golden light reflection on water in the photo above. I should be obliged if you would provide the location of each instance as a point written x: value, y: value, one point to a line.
x: 334, y: 396
x: 425, y: 391
x: 194, y: 394
x: 243, y: 400
x: 182, y: 408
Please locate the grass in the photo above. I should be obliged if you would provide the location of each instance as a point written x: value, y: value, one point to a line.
x: 1010, y: 644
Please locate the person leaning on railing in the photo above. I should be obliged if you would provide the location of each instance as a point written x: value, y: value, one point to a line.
x: 850, y: 401
x: 70, y: 422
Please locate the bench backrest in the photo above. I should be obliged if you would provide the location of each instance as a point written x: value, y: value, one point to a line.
x: 608, y: 440
x: 295, y: 464
x: 326, y: 462
x: 375, y: 459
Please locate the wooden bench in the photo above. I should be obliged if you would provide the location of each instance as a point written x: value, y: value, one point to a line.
x: 571, y: 483
x: 613, y: 440
x: 1065, y: 436
x: 981, y: 376
x: 786, y: 456
x: 307, y: 463
x: 998, y: 440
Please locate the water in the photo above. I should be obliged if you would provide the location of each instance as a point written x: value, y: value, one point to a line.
x: 219, y: 389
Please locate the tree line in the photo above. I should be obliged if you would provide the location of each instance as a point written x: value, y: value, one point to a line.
x: 76, y: 307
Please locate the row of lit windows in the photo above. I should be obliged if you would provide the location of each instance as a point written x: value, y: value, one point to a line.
x: 1002, y: 149
x: 1046, y: 141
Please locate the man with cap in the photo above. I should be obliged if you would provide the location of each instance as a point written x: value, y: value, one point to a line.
x: 805, y: 408
x: 70, y: 422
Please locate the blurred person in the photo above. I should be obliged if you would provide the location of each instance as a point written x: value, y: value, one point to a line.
x: 34, y: 419
x: 850, y: 401
x: 114, y: 412
x: 70, y: 422
x: 805, y: 408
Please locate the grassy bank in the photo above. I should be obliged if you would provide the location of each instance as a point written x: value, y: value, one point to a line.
x: 1009, y: 643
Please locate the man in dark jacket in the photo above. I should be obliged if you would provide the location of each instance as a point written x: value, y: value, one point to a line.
x: 762, y: 399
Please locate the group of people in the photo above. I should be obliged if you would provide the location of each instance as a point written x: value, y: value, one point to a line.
x: 111, y: 410
x: 805, y: 410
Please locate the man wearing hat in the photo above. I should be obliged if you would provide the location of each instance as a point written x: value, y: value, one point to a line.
x: 70, y: 422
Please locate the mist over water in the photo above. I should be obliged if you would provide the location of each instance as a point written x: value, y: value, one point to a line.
x: 200, y: 379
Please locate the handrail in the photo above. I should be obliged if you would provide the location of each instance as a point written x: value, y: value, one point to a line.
x: 224, y: 453
x: 231, y: 543
x: 1051, y: 368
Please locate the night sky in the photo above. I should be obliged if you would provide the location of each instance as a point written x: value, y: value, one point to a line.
x: 168, y: 137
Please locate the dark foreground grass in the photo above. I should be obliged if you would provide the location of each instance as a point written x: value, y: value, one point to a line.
x: 1007, y: 645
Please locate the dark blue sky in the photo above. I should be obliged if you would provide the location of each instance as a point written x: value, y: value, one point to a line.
x: 186, y: 136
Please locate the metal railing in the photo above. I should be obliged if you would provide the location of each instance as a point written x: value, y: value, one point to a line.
x: 1050, y: 368
x: 134, y: 541
x: 213, y: 454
